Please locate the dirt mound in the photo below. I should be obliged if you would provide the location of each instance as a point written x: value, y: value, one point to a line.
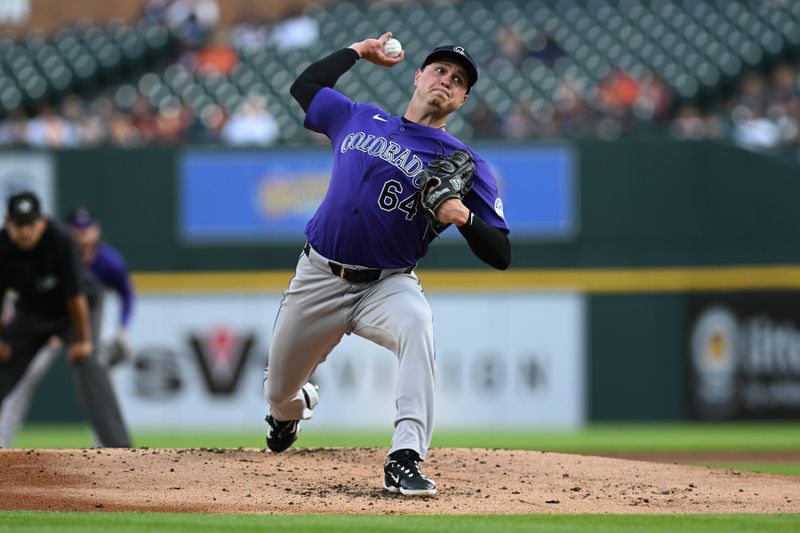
x: 349, y: 481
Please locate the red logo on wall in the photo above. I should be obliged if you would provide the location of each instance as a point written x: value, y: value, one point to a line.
x: 222, y: 355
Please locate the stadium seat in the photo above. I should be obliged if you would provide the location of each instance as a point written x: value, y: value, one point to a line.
x: 692, y: 45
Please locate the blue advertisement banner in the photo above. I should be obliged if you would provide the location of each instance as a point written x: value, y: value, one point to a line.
x: 250, y: 196
x: 538, y: 185
x: 269, y: 196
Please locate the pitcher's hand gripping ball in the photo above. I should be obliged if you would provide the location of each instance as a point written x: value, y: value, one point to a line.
x: 392, y: 47
x: 449, y: 176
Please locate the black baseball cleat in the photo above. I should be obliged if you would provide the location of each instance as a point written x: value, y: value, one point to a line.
x: 282, y: 433
x: 401, y: 474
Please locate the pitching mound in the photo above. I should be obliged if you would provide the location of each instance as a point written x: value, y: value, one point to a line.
x: 335, y: 481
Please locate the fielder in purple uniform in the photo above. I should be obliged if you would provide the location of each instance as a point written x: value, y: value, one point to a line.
x: 356, y: 272
x: 109, y: 267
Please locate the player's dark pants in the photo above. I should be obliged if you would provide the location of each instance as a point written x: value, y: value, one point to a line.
x: 27, y: 335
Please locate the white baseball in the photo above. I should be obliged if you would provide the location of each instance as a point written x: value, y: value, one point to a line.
x: 392, y: 48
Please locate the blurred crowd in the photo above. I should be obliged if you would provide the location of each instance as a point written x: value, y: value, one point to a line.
x: 621, y: 103
x: 762, y: 113
x: 123, y: 117
x: 101, y: 122
x: 760, y: 110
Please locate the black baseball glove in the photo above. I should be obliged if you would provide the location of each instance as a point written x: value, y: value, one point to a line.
x: 449, y: 176
x: 117, y: 351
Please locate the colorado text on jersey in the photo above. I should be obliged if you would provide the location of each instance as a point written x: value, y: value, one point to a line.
x: 387, y: 150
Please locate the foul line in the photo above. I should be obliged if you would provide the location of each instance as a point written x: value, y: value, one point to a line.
x: 590, y: 280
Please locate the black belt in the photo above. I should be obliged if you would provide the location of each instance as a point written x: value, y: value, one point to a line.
x: 354, y: 275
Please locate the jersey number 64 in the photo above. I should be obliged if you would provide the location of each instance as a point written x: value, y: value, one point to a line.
x: 390, y: 200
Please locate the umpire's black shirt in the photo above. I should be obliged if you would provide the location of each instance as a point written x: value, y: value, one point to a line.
x: 43, y: 277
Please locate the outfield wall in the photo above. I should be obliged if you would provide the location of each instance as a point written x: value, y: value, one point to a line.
x: 637, y: 227
x: 200, y: 358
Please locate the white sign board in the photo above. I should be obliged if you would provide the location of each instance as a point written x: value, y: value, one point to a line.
x: 503, y: 360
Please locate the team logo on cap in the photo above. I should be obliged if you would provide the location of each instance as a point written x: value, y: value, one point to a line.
x: 25, y: 206
x: 459, y: 49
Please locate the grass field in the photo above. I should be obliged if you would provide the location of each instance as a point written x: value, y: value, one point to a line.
x: 750, y: 436
x: 598, y: 439
x: 24, y: 522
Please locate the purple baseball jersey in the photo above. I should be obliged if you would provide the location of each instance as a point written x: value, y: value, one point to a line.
x: 109, y: 267
x: 370, y: 215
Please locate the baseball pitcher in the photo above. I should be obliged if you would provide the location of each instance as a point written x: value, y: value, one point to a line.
x: 397, y: 183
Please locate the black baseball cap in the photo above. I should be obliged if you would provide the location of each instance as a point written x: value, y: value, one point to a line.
x: 81, y: 217
x: 459, y: 55
x: 23, y: 208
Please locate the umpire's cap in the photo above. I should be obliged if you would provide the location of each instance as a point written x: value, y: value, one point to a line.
x: 23, y: 208
x: 81, y: 217
x: 459, y: 55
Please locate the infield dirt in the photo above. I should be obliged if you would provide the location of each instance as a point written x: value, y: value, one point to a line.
x: 349, y: 481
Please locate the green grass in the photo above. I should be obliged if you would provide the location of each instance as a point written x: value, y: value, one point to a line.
x: 766, y: 468
x: 684, y: 437
x: 22, y: 522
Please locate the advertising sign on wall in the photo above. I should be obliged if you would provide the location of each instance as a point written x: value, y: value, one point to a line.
x: 745, y: 356
x: 512, y: 361
x: 539, y: 187
x: 250, y: 196
x: 233, y: 196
